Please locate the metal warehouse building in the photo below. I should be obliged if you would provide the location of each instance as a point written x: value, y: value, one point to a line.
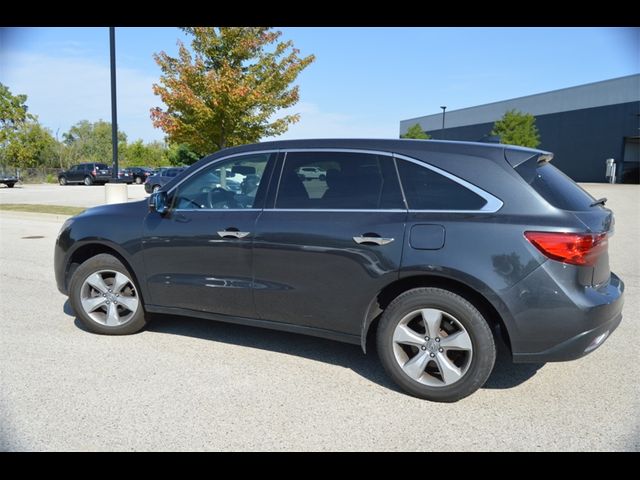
x: 582, y: 125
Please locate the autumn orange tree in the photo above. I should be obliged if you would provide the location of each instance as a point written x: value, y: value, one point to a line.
x: 225, y: 90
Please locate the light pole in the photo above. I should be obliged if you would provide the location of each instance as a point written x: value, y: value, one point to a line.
x: 444, y: 107
x: 114, y: 113
x: 114, y: 191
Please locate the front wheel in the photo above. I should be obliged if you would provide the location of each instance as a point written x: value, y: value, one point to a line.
x: 105, y: 297
x: 138, y: 180
x: 62, y: 181
x: 435, y: 345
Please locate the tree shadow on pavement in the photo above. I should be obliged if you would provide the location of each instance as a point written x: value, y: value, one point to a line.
x: 505, y: 374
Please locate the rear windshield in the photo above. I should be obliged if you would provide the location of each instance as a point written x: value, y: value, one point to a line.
x: 102, y: 166
x: 555, y: 187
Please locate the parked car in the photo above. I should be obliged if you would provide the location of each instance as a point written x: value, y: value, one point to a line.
x: 87, y: 173
x: 125, y: 176
x: 153, y: 183
x: 139, y: 174
x: 311, y: 173
x: 438, y: 249
x: 8, y: 179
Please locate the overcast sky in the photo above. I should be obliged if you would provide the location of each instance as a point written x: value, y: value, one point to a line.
x: 363, y: 82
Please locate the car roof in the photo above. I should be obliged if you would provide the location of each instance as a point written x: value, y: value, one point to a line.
x: 392, y: 145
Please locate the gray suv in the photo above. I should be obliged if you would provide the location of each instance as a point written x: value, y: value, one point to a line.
x: 432, y: 249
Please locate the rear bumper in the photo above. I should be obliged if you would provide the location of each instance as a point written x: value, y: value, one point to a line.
x: 555, y: 320
x: 573, y: 348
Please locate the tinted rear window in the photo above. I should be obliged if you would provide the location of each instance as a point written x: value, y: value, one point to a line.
x: 428, y: 190
x: 555, y: 187
x: 102, y: 166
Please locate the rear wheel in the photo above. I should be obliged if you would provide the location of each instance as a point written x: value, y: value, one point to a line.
x: 88, y: 180
x: 435, y: 344
x: 10, y: 185
x: 105, y: 297
x: 62, y: 181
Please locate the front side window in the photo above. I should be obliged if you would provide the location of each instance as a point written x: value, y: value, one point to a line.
x: 229, y: 184
x: 338, y: 180
x: 426, y: 189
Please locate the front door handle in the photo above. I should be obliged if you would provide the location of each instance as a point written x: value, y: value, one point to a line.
x: 233, y: 234
x: 372, y: 240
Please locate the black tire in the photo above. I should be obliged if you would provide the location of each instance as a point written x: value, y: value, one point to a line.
x: 138, y: 180
x: 10, y: 185
x: 484, y: 350
x: 62, y: 181
x: 95, y: 264
x: 88, y: 181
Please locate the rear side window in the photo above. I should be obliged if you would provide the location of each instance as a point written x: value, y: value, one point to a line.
x: 554, y: 186
x: 338, y: 180
x: 428, y: 190
x: 102, y: 166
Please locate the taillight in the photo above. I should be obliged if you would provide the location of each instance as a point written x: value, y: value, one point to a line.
x: 573, y: 248
x: 94, y: 172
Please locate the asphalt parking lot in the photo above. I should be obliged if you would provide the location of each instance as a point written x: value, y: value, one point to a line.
x: 186, y: 384
x: 71, y: 195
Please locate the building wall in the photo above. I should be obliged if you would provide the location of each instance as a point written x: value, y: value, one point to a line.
x: 581, y: 140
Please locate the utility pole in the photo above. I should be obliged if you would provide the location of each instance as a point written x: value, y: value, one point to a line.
x: 114, y: 113
x: 444, y: 107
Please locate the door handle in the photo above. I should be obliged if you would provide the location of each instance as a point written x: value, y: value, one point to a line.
x: 233, y: 234
x: 375, y: 240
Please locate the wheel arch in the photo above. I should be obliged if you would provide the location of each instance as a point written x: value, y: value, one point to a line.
x: 90, y: 249
x: 485, y: 306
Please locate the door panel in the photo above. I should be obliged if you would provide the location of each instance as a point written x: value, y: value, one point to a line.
x: 199, y: 255
x: 308, y: 268
x: 189, y: 265
x: 309, y: 271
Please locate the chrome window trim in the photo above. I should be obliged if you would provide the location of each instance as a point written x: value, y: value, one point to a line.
x: 336, y: 210
x: 217, y: 210
x: 493, y: 203
x: 492, y: 206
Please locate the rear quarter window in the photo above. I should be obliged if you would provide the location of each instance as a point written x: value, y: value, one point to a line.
x: 425, y: 189
x: 555, y: 187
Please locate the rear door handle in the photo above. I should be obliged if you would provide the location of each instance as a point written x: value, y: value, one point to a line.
x: 373, y: 240
x: 233, y: 234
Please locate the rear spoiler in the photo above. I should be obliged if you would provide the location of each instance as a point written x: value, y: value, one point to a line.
x: 518, y: 157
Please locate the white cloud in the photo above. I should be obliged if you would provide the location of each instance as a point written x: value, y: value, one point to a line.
x: 65, y: 89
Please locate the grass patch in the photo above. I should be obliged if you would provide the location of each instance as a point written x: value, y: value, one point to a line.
x: 57, y: 209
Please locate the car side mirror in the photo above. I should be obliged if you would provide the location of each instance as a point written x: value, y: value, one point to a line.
x: 158, y: 202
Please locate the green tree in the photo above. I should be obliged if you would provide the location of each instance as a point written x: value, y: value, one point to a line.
x: 226, y: 92
x: 415, y: 131
x: 139, y: 154
x: 13, y: 115
x: 517, y: 128
x: 91, y: 142
x: 31, y: 145
x: 181, y: 155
